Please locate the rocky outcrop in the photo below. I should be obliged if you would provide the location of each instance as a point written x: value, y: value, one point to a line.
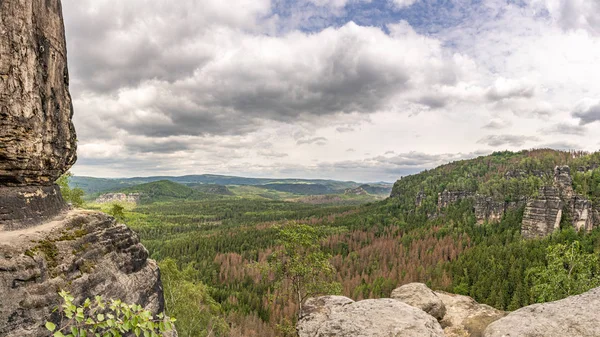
x: 86, y: 253
x: 420, y: 198
x: 575, y: 316
x: 119, y: 197
x: 447, y: 198
x: 338, y: 316
x: 465, y: 317
x: 489, y: 210
x: 28, y: 205
x: 355, y: 191
x: 37, y: 137
x: 420, y: 296
x: 544, y: 213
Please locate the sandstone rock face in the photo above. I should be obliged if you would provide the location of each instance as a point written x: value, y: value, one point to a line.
x: 26, y: 206
x: 420, y: 296
x: 37, y: 138
x: 420, y: 198
x: 86, y: 253
x: 447, y: 198
x: 489, y: 210
x: 543, y: 214
x: 465, y: 317
x: 575, y: 316
x: 337, y: 316
x: 118, y: 197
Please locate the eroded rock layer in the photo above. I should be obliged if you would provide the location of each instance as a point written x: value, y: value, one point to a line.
x: 37, y: 137
x: 574, y: 316
x: 25, y: 206
x: 86, y: 253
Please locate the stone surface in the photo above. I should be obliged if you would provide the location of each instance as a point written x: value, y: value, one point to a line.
x: 575, y: 316
x: 447, y: 198
x: 28, y: 205
x: 543, y: 214
x: 489, y: 210
x: 86, y: 253
x: 420, y: 296
x: 337, y: 316
x: 37, y: 138
x: 118, y: 197
x: 465, y: 317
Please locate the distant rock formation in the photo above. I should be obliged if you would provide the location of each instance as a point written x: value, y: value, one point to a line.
x: 544, y: 213
x: 356, y: 191
x: 445, y: 315
x: 37, y: 137
x: 447, y: 198
x: 119, y: 197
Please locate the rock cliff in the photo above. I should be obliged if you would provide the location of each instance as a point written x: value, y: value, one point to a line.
x: 44, y: 247
x: 37, y: 137
x: 445, y: 315
x: 337, y: 316
x: 118, y: 197
x: 86, y: 253
x: 544, y: 213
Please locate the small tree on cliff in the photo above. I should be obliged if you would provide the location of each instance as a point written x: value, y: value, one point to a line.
x: 300, y: 268
x: 72, y: 195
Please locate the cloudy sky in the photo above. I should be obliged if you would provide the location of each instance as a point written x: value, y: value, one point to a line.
x: 364, y: 90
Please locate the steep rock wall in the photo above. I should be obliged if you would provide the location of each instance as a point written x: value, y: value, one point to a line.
x: 37, y: 137
x: 86, y: 253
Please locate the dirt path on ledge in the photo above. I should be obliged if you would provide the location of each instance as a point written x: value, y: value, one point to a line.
x: 36, y: 233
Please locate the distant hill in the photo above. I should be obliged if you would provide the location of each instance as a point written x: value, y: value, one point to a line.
x: 212, y: 189
x: 95, y: 186
x: 301, y: 189
x: 165, y: 190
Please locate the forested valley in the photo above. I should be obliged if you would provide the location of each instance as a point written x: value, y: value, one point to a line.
x: 212, y: 249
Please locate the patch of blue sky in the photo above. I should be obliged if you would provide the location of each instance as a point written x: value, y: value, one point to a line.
x: 425, y: 16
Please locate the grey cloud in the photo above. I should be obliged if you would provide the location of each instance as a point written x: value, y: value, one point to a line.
x: 565, y: 129
x: 588, y: 114
x: 517, y: 91
x: 434, y: 102
x: 509, y: 140
x: 343, y: 129
x: 315, y: 140
x: 496, y: 124
x: 272, y: 154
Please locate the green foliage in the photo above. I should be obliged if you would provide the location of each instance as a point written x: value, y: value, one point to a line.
x: 99, y: 318
x: 300, y: 266
x: 570, y: 271
x: 117, y: 211
x: 198, y: 314
x: 72, y: 195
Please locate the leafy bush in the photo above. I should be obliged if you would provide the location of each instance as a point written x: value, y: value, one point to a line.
x: 114, y: 319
